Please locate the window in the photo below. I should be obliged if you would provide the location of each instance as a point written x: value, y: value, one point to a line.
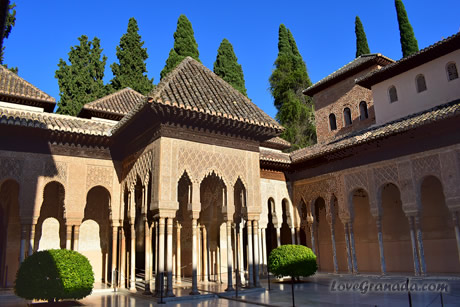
x: 420, y: 83
x: 393, y: 94
x: 347, y: 116
x: 332, y: 122
x: 363, y: 110
x: 452, y: 72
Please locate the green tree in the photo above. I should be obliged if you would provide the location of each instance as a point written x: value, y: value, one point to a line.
x: 361, y: 41
x: 184, y: 46
x: 81, y: 81
x: 10, y: 22
x: 226, y: 66
x: 409, y: 43
x: 288, y: 80
x: 132, y: 68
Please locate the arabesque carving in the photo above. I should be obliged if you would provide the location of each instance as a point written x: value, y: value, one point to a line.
x: 55, y: 170
x: 11, y: 168
x: 97, y: 175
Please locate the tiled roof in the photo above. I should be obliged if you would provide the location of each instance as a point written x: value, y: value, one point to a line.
x: 268, y: 155
x: 413, y: 121
x: 360, y: 63
x: 192, y: 86
x: 425, y: 55
x: 276, y: 143
x: 14, y: 88
x: 118, y: 103
x: 54, y: 122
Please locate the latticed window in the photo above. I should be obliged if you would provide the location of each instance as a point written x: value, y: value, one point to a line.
x: 332, y: 122
x: 347, y: 116
x: 421, y: 83
x: 393, y: 94
x: 363, y: 110
x: 452, y: 72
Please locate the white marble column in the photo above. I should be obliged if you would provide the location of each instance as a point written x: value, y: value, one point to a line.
x: 122, y: 277
x: 455, y: 218
x: 347, y: 243
x: 255, y: 230
x: 297, y: 232
x: 161, y: 254
x: 169, y: 258
x: 420, y: 246
x: 114, y: 254
x: 68, y: 237
x: 178, y: 254
x: 22, y: 248
x: 31, y: 239
x: 229, y: 257
x: 380, y: 237
x: 312, y: 233
x: 353, y: 250
x: 264, y: 249
x: 334, y: 249
x: 278, y: 236
x: 194, y: 258
x: 132, y: 253
x: 147, y: 244
x: 250, y: 255
x: 76, y: 237
x: 204, y: 248
x: 292, y: 235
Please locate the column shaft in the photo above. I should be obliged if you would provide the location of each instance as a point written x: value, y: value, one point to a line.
x: 22, y: 248
x: 147, y: 255
x: 292, y: 235
x: 68, y: 237
x: 205, y: 253
x: 297, y: 231
x: 420, y: 246
x: 312, y: 233
x: 169, y: 256
x: 123, y: 271
x: 457, y: 231
x: 114, y: 253
x: 132, y: 254
x: 178, y: 254
x: 278, y: 236
x: 161, y: 254
x: 347, y: 242
x: 229, y: 257
x: 250, y: 255
x: 255, y: 230
x: 194, y: 258
x: 414, y: 245
x: 353, y: 250
x: 264, y: 250
x: 76, y: 237
x: 380, y: 237
x: 31, y: 239
x: 334, y: 250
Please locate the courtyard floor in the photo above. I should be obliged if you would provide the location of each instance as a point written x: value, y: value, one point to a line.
x: 321, y: 290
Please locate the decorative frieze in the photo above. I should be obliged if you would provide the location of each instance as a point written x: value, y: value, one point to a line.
x: 98, y: 175
x: 55, y: 170
x: 11, y: 168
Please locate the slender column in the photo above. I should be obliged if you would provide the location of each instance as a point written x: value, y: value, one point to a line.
x: 147, y: 243
x: 457, y: 231
x: 229, y: 257
x: 161, y: 253
x: 178, y: 254
x: 157, y: 253
x: 420, y: 246
x: 380, y: 236
x: 240, y: 255
x: 334, y: 250
x: 414, y: 245
x: 353, y: 250
x: 200, y: 255
x: 255, y: 225
x: 123, y: 259
x: 151, y: 250
x: 194, y: 258
x: 278, y: 236
x: 347, y: 242
x: 114, y: 252
x: 169, y: 256
x: 132, y: 254
x: 250, y: 256
x: 204, y: 248
x: 264, y: 249
x: 32, y: 239
x: 76, y: 237
x: 297, y: 231
x: 68, y: 236
x: 292, y: 235
x: 312, y: 233
x: 22, y: 252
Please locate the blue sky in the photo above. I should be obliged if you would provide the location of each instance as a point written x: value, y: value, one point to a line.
x: 324, y: 31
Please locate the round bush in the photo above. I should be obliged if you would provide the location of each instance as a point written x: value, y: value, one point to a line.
x: 53, y: 275
x: 292, y: 260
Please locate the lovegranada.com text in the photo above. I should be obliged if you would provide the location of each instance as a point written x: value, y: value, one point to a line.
x: 365, y: 286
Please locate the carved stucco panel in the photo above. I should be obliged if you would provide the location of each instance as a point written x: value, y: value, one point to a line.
x: 138, y: 168
x: 11, y: 168
x: 450, y: 174
x: 424, y: 166
x: 98, y: 175
x: 55, y: 170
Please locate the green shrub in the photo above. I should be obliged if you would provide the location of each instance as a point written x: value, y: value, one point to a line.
x: 53, y: 275
x: 292, y: 260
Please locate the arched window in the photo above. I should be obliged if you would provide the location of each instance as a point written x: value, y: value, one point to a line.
x: 452, y: 72
x: 363, y: 110
x: 393, y: 94
x: 420, y: 83
x: 332, y: 122
x: 347, y: 116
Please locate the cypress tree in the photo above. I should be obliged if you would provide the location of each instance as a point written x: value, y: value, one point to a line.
x: 132, y: 68
x: 184, y: 45
x: 10, y: 21
x: 361, y: 41
x: 288, y: 80
x: 80, y: 81
x: 226, y: 66
x: 409, y: 43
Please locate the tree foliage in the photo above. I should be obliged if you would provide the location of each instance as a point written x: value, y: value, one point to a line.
x: 288, y: 80
x: 130, y: 72
x: 292, y: 260
x: 184, y: 46
x: 226, y: 66
x: 361, y: 41
x: 80, y: 81
x: 53, y: 275
x: 10, y: 22
x: 409, y: 43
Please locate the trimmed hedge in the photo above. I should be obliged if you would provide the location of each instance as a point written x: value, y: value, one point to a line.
x: 292, y: 260
x: 53, y: 275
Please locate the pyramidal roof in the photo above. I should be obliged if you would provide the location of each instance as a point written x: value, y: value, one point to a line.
x: 17, y: 90
x: 192, y: 86
x: 113, y: 106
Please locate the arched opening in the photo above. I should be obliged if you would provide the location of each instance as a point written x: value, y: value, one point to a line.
x: 183, y: 218
x: 52, y: 207
x: 395, y: 231
x: 286, y: 237
x: 365, y: 233
x: 339, y: 234
x: 392, y: 94
x: 322, y: 237
x: 332, y: 122
x: 452, y: 72
x: 240, y: 240
x: 439, y: 243
x: 363, y: 114
x: 420, y: 83
x: 10, y: 232
x: 270, y: 231
x: 213, y: 231
x: 347, y: 116
x: 95, y: 234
